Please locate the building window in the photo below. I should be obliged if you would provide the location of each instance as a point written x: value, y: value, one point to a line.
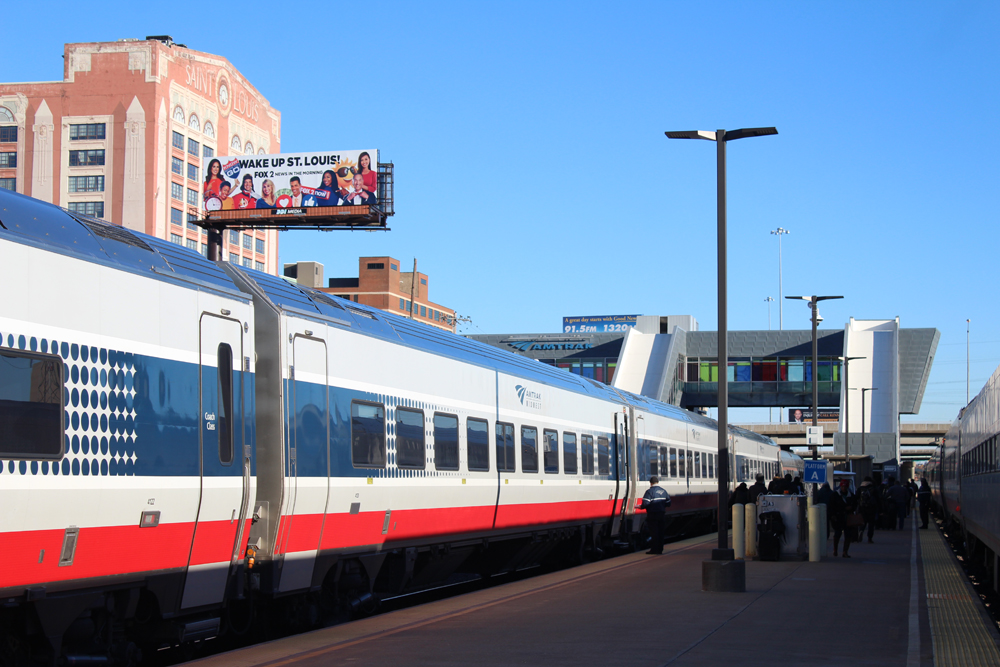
x: 204, y: 249
x: 177, y: 217
x: 87, y: 131
x: 423, y: 311
x: 86, y: 184
x: 192, y: 218
x: 177, y: 191
x: 260, y: 246
x: 8, y: 134
x: 192, y: 197
x: 236, y: 144
x: 86, y: 158
x: 375, y: 266
x: 177, y: 238
x: 209, y: 132
x: 247, y: 262
x: 177, y: 166
x: 194, y: 148
x: 207, y: 151
x: 8, y: 184
x: 259, y: 266
x: 248, y: 150
x: 393, y: 266
x: 234, y: 237
x: 193, y: 123
x: 247, y: 242
x: 423, y: 281
x: 8, y: 160
x: 402, y: 303
x: 234, y: 259
x: 192, y: 172
x: 94, y: 209
x: 192, y: 244
x: 260, y: 151
x: 178, y: 114
x: 6, y: 116
x: 178, y: 141
x: 410, y: 439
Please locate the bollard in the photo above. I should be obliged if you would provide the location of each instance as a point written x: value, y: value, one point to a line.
x: 739, y: 532
x: 751, y: 530
x: 815, y: 534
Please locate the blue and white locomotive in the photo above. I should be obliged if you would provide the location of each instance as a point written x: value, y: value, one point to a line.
x: 184, y: 443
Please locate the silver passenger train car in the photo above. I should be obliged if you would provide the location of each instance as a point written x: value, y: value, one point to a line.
x: 186, y: 444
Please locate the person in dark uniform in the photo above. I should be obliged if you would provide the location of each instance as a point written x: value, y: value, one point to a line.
x: 655, y: 501
x: 924, y: 497
x: 756, y: 490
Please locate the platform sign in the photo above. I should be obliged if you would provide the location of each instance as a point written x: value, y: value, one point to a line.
x: 814, y: 435
x: 815, y: 472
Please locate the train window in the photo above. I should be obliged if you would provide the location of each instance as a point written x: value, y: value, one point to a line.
x: 673, y: 462
x: 367, y: 434
x: 604, y: 456
x: 704, y: 464
x: 551, y: 440
x: 478, y: 439
x: 587, y: 452
x: 410, y: 439
x: 225, y: 356
x: 681, y: 467
x: 505, y: 447
x: 711, y: 466
x: 569, y: 453
x: 445, y: 442
x: 654, y: 467
x: 31, y: 414
x: 529, y: 449
x: 697, y: 465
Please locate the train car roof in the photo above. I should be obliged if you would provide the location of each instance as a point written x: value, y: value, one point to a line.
x: 36, y: 223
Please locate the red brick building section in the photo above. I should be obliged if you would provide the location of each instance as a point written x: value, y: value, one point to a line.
x: 380, y: 284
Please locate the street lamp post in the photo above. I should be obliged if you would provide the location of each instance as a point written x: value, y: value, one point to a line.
x: 712, y: 577
x: 847, y: 409
x: 781, y: 311
x: 816, y: 319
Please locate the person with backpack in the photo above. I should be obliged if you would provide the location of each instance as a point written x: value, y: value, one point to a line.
x: 868, y: 506
x: 756, y: 490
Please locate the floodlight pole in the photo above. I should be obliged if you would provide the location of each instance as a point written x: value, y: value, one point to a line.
x: 720, y: 137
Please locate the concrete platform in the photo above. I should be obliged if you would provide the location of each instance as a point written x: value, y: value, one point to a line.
x: 900, y: 601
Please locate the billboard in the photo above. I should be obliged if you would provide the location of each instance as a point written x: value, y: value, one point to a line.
x: 598, y: 323
x: 805, y: 415
x: 291, y: 183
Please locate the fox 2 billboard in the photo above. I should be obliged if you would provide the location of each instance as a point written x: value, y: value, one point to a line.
x: 291, y: 180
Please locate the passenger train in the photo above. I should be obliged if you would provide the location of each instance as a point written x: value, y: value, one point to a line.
x: 185, y: 444
x: 964, y: 476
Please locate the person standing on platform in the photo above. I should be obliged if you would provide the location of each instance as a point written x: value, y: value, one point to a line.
x: 924, y: 497
x: 900, y: 497
x: 776, y: 487
x: 841, y: 504
x: 823, y: 498
x: 757, y: 489
x: 914, y: 490
x: 887, y: 508
x: 739, y: 495
x: 655, y: 501
x: 868, y: 506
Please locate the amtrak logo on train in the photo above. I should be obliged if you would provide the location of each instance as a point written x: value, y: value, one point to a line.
x: 529, y: 399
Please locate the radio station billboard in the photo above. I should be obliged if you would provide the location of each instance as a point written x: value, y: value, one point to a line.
x: 291, y: 181
x: 599, y: 323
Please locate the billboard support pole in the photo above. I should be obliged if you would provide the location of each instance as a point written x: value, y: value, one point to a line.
x: 214, y: 244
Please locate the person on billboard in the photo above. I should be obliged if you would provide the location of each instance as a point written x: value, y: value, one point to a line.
x: 245, y: 199
x: 357, y: 195
x: 227, y: 201
x: 299, y: 198
x: 329, y: 186
x: 267, y: 197
x: 370, y: 176
x: 213, y: 179
x: 797, y: 415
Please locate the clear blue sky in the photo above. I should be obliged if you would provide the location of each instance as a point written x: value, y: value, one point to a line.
x: 534, y: 180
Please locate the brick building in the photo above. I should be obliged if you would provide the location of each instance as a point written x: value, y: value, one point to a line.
x: 382, y: 285
x: 127, y: 134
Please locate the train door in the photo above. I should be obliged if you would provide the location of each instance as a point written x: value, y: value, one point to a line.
x: 306, y: 456
x: 225, y: 473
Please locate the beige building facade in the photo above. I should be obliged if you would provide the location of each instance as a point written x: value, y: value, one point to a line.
x: 127, y: 134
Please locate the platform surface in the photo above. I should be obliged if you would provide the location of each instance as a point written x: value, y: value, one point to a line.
x: 901, y: 601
